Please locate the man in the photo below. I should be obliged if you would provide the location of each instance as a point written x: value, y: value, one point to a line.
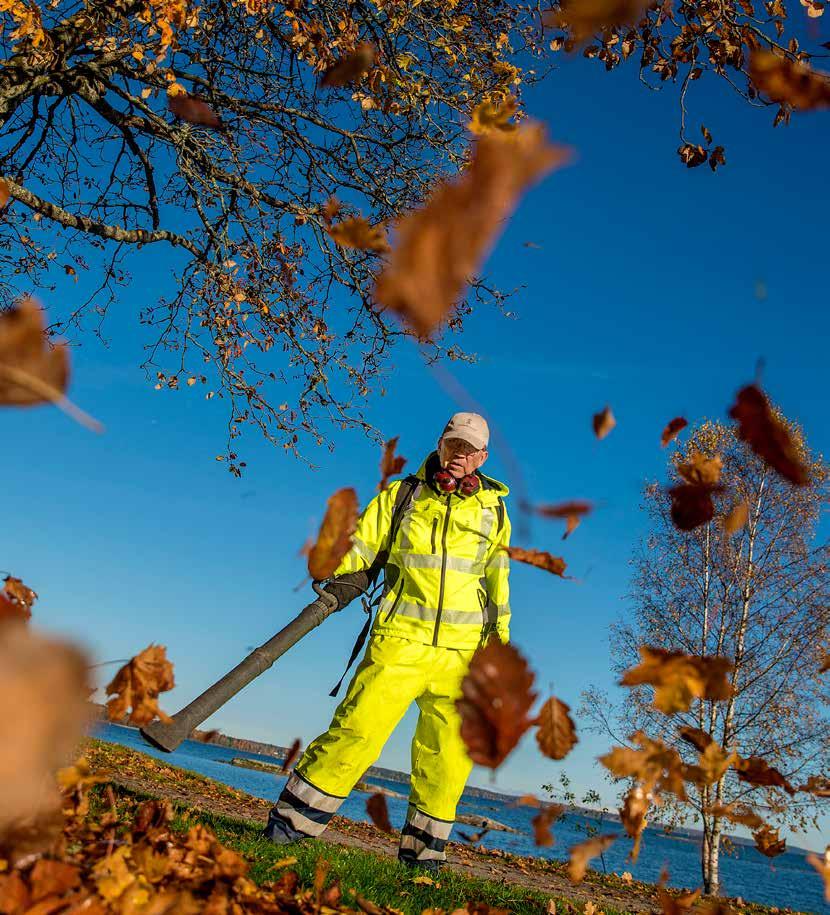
x: 445, y: 593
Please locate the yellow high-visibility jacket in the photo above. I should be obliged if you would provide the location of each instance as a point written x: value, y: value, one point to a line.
x: 447, y: 572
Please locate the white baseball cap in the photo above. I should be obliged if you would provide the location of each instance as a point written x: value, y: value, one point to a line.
x: 469, y: 427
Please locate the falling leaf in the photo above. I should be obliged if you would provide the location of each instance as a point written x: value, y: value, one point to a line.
x: 4, y: 193
x: 572, y: 512
x: 825, y: 664
x: 283, y: 862
x: 692, y: 154
x: 556, y: 736
x: 603, y: 422
x: 767, y: 435
x: 527, y: 800
x: 759, y: 772
x: 441, y: 245
x: 378, y: 812
x: 53, y: 878
x: 673, y: 428
x: 713, y: 762
x: 351, y: 67
x: 44, y: 686
x: 334, y: 539
x: 542, y: 823
x: 691, y: 506
x: 822, y: 865
x: 633, y: 817
x: 736, y: 518
x: 789, y: 82
x: 698, y: 738
x: 657, y: 767
x: 700, y: 470
x: 331, y: 210
x: 768, y: 842
x: 391, y: 464
x: 818, y: 785
x: 193, y: 109
x: 292, y: 756
x: 494, y: 115
x: 671, y: 904
x: 584, y: 18
x: 580, y: 855
x: 539, y: 558
x: 475, y: 837
x: 678, y: 678
x: 356, y: 232
x: 495, y: 701
x: 136, y: 687
x: 736, y: 813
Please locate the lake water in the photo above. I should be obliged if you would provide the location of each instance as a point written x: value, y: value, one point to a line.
x: 787, y: 880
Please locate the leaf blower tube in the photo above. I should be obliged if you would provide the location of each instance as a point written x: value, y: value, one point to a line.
x: 331, y: 597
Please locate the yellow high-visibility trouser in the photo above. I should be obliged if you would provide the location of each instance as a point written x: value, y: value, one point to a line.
x: 393, y: 673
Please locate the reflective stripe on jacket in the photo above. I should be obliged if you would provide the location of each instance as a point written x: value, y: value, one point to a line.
x: 447, y: 572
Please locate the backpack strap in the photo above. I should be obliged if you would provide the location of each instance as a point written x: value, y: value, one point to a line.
x: 500, y: 514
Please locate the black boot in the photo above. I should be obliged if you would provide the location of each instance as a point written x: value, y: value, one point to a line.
x: 280, y: 831
x: 430, y: 866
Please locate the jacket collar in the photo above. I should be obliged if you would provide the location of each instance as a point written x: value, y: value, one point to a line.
x: 490, y: 490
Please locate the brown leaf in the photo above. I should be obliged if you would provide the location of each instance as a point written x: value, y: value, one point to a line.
x: 572, y: 512
x: 825, y: 664
x: 822, y: 865
x: 136, y: 687
x: 768, y: 842
x: 378, y: 812
x: 672, y: 904
x: 351, y: 67
x: 14, y: 894
x: 493, y: 115
x: 334, y: 539
x: 528, y: 800
x: 495, y: 701
x: 603, y: 422
x: 367, y: 906
x: 819, y: 785
x: 331, y: 210
x: 193, y: 109
x: 15, y: 591
x: 44, y: 684
x: 292, y: 756
x: 356, y: 232
x: 700, y: 470
x: 585, y: 18
x: 696, y: 737
x: 440, y: 246
x: 691, y: 506
x: 736, y: 518
x: 391, y: 464
x: 767, y: 435
x: 737, y: 813
x: 656, y: 767
x: 10, y: 610
x: 713, y: 762
x: 633, y: 817
x: 673, y: 428
x: 539, y: 558
x: 580, y: 855
x: 49, y: 878
x: 789, y: 82
x: 31, y: 370
x: 678, y: 678
x: 542, y: 823
x: 759, y: 772
x: 4, y: 193
x: 556, y: 736
x: 692, y: 154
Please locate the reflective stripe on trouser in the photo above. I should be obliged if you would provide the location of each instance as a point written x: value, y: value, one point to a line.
x: 394, y: 672
x: 423, y: 838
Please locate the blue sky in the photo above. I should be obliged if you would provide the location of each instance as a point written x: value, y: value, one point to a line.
x: 643, y: 295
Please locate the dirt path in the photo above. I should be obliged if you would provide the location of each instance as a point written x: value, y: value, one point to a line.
x: 144, y: 773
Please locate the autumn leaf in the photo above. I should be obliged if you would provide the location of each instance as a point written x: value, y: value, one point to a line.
x: 494, y: 115
x: 671, y: 904
x: 580, y: 855
x: 678, y: 678
x: 356, y: 232
x: 700, y: 470
x: 441, y: 245
x: 495, y: 701
x: 292, y: 756
x: 657, y: 767
x: 378, y: 812
x: 4, y: 193
x: 713, y: 762
x: 603, y: 422
x: 822, y: 865
x: 825, y: 664
x: 542, y: 823
x: 673, y: 428
x: 334, y: 539
x: 691, y: 506
x: 768, y: 842
x: 136, y: 686
x: 819, y: 785
x: 736, y: 813
x: 331, y: 209
x: 759, y: 772
x: 193, y: 109
x: 391, y: 464
x: 351, y: 67
x: 767, y: 435
x: 584, y: 18
x: 556, y: 736
x: 572, y: 512
x: 49, y: 878
x: 527, y: 800
x: 539, y: 558
x: 633, y: 817
x: 698, y: 738
x: 736, y: 518
x: 789, y: 82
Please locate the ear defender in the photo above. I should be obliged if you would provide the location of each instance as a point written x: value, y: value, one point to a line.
x: 445, y: 481
x: 468, y: 485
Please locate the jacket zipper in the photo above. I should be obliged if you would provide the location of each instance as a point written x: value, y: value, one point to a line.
x: 395, y: 603
x: 434, y: 531
x: 443, y: 570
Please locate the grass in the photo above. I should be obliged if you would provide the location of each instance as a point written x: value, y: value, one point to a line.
x: 378, y: 878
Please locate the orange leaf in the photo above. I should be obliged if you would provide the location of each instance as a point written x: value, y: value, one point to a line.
x: 789, y: 82
x: 351, y: 67
x: 736, y: 813
x: 557, y: 734
x: 378, y: 812
x: 355, y: 232
x: 136, y: 687
x: 736, y: 518
x: 822, y: 865
x: 698, y: 738
x: 759, y: 772
x: 542, y: 823
x: 53, y: 878
x: 633, y: 817
x: 767, y: 436
x: 440, y: 246
x: 700, y: 470
x: 673, y: 428
x: 292, y: 755
x: 193, y: 109
x: 678, y: 678
x: 768, y: 842
x: 572, y: 512
x: 539, y: 558
x: 4, y: 193
x: 603, y: 422
x: 334, y: 539
x: 24, y: 348
x: 495, y: 701
x: 691, y: 506
x: 580, y: 855
x: 583, y: 18
x: 391, y: 464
